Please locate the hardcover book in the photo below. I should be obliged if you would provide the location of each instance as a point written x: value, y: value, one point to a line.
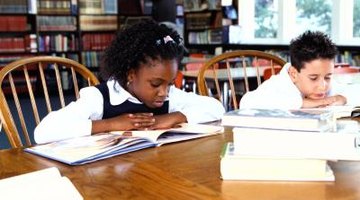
x: 81, y: 150
x: 342, y: 144
x: 299, y: 119
x: 239, y: 167
x: 42, y: 184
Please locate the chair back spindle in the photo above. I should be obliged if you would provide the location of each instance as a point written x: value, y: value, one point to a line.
x: 234, y: 73
x: 26, y: 78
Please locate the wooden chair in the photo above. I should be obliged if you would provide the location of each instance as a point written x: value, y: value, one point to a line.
x: 346, y: 70
x: 269, y: 71
x: 243, y: 67
x: 38, y: 77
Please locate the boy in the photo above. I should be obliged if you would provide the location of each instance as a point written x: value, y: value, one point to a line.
x: 303, y: 83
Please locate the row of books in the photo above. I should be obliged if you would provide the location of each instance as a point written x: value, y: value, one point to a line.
x: 58, y: 42
x: 56, y: 23
x: 13, y: 6
x: 351, y: 57
x: 198, y: 5
x: 205, y: 20
x: 211, y: 36
x: 13, y: 23
x: 13, y: 44
x: 98, y: 6
x: 55, y: 6
x: 101, y: 23
x: 91, y: 59
x: 287, y: 145
x: 98, y: 41
x: 4, y: 60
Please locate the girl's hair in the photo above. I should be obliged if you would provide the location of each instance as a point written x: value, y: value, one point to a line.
x: 310, y: 46
x: 137, y: 44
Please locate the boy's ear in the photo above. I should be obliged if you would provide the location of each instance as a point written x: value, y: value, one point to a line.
x: 293, y: 73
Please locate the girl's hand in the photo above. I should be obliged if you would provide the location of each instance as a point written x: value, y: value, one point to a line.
x: 169, y: 120
x: 328, y: 101
x: 132, y: 121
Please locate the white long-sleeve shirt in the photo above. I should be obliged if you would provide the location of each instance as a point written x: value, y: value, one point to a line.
x: 76, y: 118
x: 281, y: 93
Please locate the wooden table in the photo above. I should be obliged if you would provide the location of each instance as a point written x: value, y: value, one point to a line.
x: 186, y: 170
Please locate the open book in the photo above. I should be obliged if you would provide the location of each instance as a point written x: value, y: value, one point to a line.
x: 81, y: 150
x: 342, y: 111
x: 294, y: 119
x: 43, y: 184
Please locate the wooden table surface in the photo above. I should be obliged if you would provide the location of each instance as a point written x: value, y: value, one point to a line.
x: 185, y: 170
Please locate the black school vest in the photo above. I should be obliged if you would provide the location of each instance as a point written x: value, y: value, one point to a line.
x: 128, y: 106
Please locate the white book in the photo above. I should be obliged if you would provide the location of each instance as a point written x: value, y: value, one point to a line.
x: 41, y: 185
x: 239, y: 167
x: 296, y: 119
x: 343, y: 144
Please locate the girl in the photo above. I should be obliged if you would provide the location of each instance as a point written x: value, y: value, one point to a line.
x: 140, y: 67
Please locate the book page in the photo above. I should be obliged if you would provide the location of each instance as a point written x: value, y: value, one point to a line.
x: 339, y: 111
x: 85, y: 149
x: 182, y: 132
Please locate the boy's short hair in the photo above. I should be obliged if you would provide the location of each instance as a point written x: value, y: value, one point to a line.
x: 309, y: 46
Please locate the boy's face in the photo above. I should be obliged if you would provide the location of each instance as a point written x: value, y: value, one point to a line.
x: 150, y: 84
x: 314, y: 79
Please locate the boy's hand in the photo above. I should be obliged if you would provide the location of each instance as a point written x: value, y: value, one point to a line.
x: 328, y: 101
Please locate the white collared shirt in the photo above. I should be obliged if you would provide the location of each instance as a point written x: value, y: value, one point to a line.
x: 76, y: 118
x: 281, y: 93
x: 277, y: 92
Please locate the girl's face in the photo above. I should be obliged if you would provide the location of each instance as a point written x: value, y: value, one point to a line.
x: 314, y: 80
x: 151, y: 82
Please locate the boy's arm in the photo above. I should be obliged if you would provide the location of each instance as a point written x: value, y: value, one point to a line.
x: 328, y: 101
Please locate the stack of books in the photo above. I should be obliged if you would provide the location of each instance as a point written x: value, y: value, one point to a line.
x: 286, y: 145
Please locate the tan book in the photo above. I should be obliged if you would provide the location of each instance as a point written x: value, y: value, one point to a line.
x: 343, y: 144
x: 239, y: 167
x: 43, y: 184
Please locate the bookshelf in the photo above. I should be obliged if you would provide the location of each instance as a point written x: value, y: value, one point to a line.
x: 17, y: 36
x: 17, y: 31
x: 98, y: 23
x: 76, y: 29
x: 57, y: 28
x: 202, y: 23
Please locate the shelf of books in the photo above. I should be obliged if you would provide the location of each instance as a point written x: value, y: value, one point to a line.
x: 202, y: 22
x: 98, y: 23
x: 57, y: 28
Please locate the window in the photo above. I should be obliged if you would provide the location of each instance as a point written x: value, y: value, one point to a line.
x: 313, y: 15
x: 356, y: 19
x: 266, y: 18
x: 279, y: 21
